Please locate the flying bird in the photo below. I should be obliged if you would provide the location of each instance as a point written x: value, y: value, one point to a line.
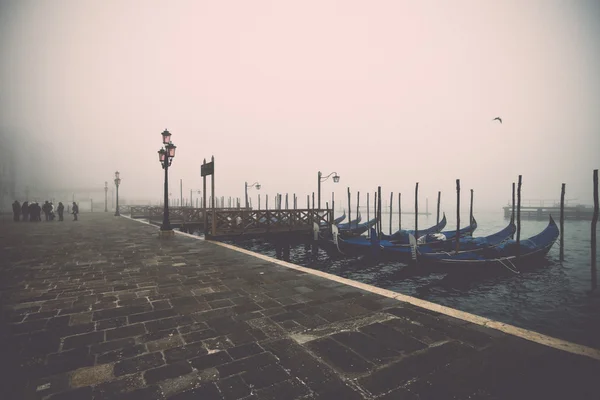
x: 498, y: 118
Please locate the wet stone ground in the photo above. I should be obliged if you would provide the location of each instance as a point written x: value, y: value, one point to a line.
x: 103, y: 309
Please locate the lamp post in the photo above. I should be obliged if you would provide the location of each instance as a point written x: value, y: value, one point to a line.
x: 105, y: 196
x: 165, y: 156
x: 117, y: 183
x: 336, y: 179
x: 246, y: 190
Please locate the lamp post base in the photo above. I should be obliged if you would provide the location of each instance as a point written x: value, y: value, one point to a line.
x: 166, y: 234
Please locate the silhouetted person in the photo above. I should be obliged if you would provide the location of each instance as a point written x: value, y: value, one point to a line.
x: 16, y: 210
x: 51, y: 213
x: 60, y: 210
x: 32, y: 215
x: 46, y: 210
x: 75, y: 211
x: 25, y: 210
x: 35, y: 212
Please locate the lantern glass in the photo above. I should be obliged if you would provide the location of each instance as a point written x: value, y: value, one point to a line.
x: 336, y: 179
x: 171, y: 150
x: 166, y: 137
x: 117, y: 175
x: 258, y: 186
x: 161, y: 155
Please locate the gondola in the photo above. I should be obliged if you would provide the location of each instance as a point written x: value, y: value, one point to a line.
x: 401, y: 236
x: 501, y: 257
x: 336, y: 221
x: 351, y: 224
x: 467, y: 243
x: 362, y: 246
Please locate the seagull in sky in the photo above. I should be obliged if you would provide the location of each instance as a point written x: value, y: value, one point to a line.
x: 498, y: 118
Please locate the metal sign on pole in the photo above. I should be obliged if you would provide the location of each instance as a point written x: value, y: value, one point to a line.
x: 207, y: 169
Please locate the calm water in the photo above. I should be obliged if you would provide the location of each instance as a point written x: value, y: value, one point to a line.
x: 555, y: 299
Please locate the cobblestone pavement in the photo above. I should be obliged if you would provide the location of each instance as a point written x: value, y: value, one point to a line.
x: 103, y: 309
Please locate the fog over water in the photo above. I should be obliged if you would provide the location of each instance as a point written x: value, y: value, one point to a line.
x: 387, y: 93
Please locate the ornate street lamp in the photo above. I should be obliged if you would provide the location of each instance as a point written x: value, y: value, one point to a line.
x: 336, y: 179
x: 165, y: 156
x: 117, y: 183
x: 105, y: 196
x: 246, y: 190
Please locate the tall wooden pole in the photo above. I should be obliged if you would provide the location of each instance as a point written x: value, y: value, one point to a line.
x: 457, y: 215
x: 417, y: 211
x: 437, y: 219
x: 369, y: 232
x: 519, y: 218
x: 379, y: 209
x: 391, y: 208
x: 471, y: 209
x: 594, y: 224
x: 204, y: 215
x: 349, y: 210
x: 357, y: 205
x: 512, y: 216
x: 562, y: 223
x: 375, y: 213
x: 399, y: 211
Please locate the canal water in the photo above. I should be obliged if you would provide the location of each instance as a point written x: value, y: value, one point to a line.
x: 555, y: 299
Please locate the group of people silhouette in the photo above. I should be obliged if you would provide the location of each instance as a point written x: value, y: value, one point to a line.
x: 33, y: 211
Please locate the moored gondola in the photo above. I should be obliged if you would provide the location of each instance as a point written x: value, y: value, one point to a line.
x: 506, y: 256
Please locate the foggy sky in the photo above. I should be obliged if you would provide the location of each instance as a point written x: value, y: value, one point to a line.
x: 384, y: 93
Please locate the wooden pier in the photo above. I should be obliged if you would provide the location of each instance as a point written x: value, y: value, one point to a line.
x: 579, y: 212
x: 230, y: 223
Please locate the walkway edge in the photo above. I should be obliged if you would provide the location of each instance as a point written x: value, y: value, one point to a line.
x: 532, y: 336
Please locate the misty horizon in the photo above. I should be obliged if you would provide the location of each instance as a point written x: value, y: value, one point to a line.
x: 385, y: 94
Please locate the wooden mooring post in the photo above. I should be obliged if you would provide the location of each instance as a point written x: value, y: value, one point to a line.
x: 391, y: 213
x: 357, y: 206
x: 399, y: 211
x: 379, y: 210
x: 349, y: 211
x: 369, y: 231
x: 457, y: 215
x: 519, y: 217
x: 286, y: 201
x: 471, y: 209
x: 417, y: 211
x: 437, y: 218
x: 594, y: 225
x: 562, y: 224
x: 512, y: 217
x: 375, y: 213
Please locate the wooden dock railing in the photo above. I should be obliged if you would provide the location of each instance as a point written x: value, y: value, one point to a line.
x: 249, y: 222
x: 235, y: 221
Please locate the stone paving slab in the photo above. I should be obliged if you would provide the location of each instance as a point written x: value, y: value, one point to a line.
x: 103, y: 309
